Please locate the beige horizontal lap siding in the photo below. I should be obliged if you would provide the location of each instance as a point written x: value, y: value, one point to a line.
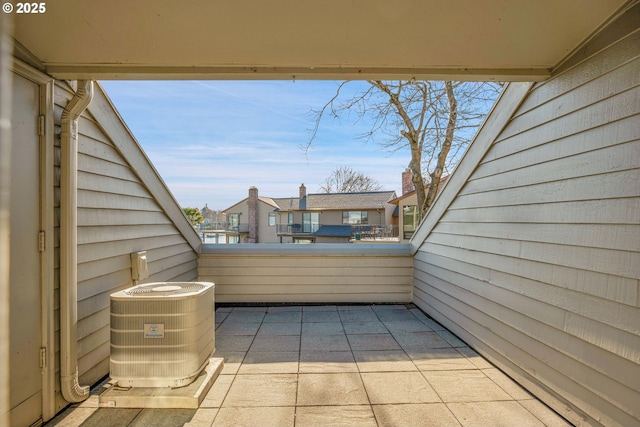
x: 117, y: 214
x: 534, y: 259
x: 322, y: 273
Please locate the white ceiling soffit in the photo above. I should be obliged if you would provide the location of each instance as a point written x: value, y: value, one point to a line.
x: 508, y: 40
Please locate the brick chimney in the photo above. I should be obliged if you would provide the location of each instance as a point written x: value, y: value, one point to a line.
x: 407, y: 182
x: 253, y: 215
x: 303, y: 192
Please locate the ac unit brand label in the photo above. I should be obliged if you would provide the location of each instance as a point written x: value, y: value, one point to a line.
x: 154, y: 330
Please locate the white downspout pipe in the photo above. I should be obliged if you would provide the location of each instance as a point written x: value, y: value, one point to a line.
x: 72, y: 391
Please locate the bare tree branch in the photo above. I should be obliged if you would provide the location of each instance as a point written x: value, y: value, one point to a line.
x: 434, y: 120
x: 320, y: 113
x: 346, y: 180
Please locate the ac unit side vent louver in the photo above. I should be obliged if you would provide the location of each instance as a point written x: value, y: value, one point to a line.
x: 162, y: 334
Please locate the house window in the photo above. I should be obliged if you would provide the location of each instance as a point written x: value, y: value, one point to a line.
x: 233, y: 239
x: 290, y: 218
x: 302, y: 240
x: 310, y: 222
x: 272, y: 219
x: 355, y: 217
x: 233, y: 221
x: 409, y: 220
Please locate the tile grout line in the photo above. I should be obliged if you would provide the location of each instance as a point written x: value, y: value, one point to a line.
x: 429, y: 382
x: 295, y: 406
x: 534, y: 415
x: 358, y: 367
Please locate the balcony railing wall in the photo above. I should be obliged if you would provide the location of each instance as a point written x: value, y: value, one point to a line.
x: 290, y: 229
x: 243, y: 227
x: 211, y: 226
x: 338, y: 273
x: 358, y: 232
x: 374, y: 232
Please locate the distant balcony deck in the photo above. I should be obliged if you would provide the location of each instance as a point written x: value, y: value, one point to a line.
x: 364, y: 365
x: 238, y: 228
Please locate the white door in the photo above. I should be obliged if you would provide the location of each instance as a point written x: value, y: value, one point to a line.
x: 25, y: 287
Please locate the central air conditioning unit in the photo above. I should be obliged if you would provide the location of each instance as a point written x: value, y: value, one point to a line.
x: 162, y: 334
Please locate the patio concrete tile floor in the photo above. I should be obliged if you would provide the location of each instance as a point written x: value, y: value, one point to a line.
x: 358, y: 365
x: 314, y: 362
x: 383, y: 361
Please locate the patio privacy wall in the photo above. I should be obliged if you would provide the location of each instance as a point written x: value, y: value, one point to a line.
x: 336, y: 273
x: 531, y: 254
x: 123, y: 207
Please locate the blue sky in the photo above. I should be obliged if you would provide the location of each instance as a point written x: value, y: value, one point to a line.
x: 212, y: 140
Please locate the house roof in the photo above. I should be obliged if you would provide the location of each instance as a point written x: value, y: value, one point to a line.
x: 503, y: 40
x: 288, y: 203
x: 267, y: 200
x: 328, y: 201
x: 336, y: 201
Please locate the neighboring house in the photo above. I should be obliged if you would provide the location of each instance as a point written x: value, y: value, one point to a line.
x: 312, y: 218
x: 251, y: 220
x: 408, y: 207
x: 212, y: 220
x: 213, y: 226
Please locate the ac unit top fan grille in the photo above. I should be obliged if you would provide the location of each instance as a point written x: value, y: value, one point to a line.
x: 168, y: 289
x: 165, y: 289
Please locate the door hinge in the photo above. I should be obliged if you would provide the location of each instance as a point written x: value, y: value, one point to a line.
x: 41, y: 241
x: 41, y: 126
x: 43, y: 357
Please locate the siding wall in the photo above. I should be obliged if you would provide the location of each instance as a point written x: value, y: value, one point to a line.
x: 535, y: 260
x: 308, y: 273
x: 118, y: 213
x: 266, y: 234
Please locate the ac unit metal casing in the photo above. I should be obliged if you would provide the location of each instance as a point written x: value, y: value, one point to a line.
x: 162, y: 334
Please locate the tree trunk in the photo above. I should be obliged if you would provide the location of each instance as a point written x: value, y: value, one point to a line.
x: 436, y: 175
x: 418, y: 183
